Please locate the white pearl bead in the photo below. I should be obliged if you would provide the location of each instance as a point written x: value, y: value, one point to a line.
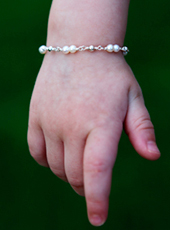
x: 109, y: 48
x: 43, y: 49
x: 116, y: 48
x: 66, y: 50
x: 72, y: 49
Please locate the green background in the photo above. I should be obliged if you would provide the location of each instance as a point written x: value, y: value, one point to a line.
x: 31, y: 197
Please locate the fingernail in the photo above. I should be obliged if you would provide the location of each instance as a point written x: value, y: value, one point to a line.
x: 152, y: 147
x: 96, y: 220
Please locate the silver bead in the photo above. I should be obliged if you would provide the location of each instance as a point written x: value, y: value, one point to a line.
x: 91, y: 48
x: 124, y: 48
x: 43, y: 49
x: 72, y: 49
x: 66, y: 50
x: 50, y: 48
x: 109, y: 48
x: 116, y: 48
x: 125, y: 53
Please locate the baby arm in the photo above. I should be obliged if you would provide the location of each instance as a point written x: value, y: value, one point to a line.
x: 81, y: 101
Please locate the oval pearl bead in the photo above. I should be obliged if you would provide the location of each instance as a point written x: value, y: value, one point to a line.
x: 66, y: 50
x: 116, y: 48
x: 43, y: 49
x: 72, y: 49
x: 109, y: 48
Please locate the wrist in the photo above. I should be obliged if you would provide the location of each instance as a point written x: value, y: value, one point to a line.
x: 87, y: 22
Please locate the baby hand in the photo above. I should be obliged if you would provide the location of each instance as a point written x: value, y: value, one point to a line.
x: 79, y: 106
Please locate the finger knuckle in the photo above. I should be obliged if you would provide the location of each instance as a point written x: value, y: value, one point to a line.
x: 96, y: 166
x: 144, y: 123
x: 93, y: 201
x: 96, y: 204
x: 59, y: 173
x: 76, y: 182
x: 136, y: 92
x: 34, y: 152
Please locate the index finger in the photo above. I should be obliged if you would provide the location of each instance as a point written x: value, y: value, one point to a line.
x: 99, y: 157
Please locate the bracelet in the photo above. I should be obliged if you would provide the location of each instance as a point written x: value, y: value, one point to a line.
x: 73, y: 49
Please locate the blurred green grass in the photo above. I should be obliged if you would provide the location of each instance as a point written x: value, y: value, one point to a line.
x: 31, y: 196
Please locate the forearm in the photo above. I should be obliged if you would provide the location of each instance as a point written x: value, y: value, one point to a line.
x: 87, y: 22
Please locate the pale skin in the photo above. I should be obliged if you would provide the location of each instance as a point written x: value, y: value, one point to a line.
x: 81, y: 102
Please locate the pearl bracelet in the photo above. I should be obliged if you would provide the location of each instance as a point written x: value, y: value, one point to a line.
x: 73, y: 49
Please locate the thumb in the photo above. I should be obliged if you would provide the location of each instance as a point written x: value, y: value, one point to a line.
x: 140, y: 130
